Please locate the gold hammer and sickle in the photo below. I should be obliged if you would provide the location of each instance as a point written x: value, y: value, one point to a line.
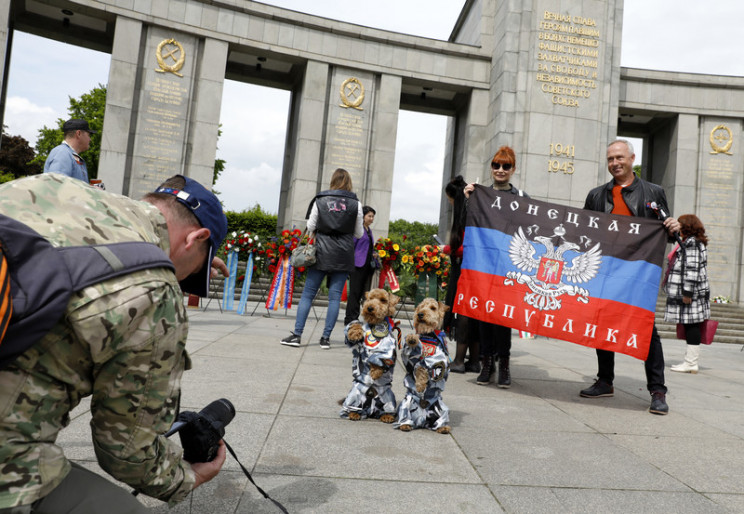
x: 178, y: 63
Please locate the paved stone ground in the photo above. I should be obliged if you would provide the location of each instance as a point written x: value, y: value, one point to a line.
x: 537, y: 447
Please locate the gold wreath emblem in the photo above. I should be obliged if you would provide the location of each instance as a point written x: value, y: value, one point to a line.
x: 170, y: 53
x: 721, y: 140
x: 352, y: 94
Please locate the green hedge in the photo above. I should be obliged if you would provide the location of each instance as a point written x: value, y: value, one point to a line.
x: 255, y: 221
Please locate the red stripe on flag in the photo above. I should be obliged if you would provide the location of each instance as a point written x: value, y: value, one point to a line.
x: 603, y: 324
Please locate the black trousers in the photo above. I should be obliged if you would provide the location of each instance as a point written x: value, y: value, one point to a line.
x: 654, y: 365
x: 84, y: 491
x: 494, y: 339
x: 360, y: 281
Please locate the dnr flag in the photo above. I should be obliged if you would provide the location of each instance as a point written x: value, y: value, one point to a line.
x: 566, y: 273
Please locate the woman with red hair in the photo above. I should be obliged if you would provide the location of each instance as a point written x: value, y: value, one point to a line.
x: 495, y: 340
x: 687, y: 288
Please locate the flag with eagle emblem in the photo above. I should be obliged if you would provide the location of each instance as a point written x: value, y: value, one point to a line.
x: 561, y: 272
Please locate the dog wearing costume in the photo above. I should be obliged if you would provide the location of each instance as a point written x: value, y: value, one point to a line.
x: 373, y: 345
x: 426, y: 359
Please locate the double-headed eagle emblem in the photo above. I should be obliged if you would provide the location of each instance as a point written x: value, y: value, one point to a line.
x: 544, y: 274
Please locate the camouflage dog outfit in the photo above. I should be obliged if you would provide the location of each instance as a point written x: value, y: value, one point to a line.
x: 121, y: 342
x: 372, y: 398
x: 425, y: 409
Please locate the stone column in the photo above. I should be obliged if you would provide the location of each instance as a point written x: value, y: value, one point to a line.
x: 376, y: 190
x: 466, y: 154
x: 719, y: 202
x: 301, y: 174
x: 554, y: 92
x: 204, y: 123
x: 121, y: 96
x: 351, y: 112
x: 6, y: 37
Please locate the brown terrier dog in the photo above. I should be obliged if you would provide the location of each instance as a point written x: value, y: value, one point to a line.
x: 426, y: 359
x: 373, y: 346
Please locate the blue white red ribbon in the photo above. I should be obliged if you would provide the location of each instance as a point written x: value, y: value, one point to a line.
x: 282, y: 286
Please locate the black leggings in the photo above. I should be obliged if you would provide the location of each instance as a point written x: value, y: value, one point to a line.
x: 693, y: 334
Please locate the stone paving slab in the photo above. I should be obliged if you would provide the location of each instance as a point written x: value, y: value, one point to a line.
x: 537, y: 447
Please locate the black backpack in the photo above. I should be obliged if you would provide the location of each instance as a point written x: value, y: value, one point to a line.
x: 37, y: 279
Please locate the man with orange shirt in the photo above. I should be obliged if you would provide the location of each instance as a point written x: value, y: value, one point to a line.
x: 628, y: 195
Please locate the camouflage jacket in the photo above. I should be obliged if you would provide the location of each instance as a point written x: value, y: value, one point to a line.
x: 122, y: 342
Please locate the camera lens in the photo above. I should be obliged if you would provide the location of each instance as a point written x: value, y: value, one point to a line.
x: 219, y: 413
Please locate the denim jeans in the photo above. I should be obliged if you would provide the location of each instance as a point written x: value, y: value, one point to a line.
x: 312, y: 284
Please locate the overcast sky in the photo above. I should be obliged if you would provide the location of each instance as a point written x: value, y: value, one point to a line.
x: 673, y: 35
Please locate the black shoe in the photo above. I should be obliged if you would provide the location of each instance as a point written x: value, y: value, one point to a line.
x: 457, y: 368
x: 487, y: 370
x: 658, y: 404
x: 472, y: 366
x: 598, y: 390
x: 291, y: 340
x: 504, y: 381
x: 325, y: 343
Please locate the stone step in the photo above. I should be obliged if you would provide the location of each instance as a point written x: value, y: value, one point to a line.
x: 730, y: 317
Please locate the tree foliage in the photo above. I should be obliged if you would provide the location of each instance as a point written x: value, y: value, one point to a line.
x: 417, y: 233
x: 90, y: 107
x: 15, y: 158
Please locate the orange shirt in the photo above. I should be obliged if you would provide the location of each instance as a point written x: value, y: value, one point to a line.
x: 619, y: 206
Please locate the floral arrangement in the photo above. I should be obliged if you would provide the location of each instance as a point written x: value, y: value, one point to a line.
x: 721, y: 299
x: 244, y: 243
x: 389, y: 251
x: 281, y: 245
x: 429, y: 259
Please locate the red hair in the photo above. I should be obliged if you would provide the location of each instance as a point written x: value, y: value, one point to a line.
x: 505, y: 155
x: 691, y: 226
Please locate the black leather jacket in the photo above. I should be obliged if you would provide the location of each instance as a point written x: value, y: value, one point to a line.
x: 637, y: 195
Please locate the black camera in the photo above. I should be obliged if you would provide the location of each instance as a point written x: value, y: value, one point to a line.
x: 201, y: 431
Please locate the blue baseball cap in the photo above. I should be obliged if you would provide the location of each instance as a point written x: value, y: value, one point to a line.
x: 208, y: 210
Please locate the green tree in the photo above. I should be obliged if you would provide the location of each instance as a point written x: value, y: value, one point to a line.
x: 16, y: 157
x: 90, y: 107
x: 417, y: 233
x: 219, y: 164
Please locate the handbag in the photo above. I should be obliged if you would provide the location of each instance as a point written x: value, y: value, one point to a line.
x: 303, y: 256
x: 707, y: 331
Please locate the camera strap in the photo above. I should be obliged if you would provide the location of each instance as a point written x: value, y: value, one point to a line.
x: 279, y: 505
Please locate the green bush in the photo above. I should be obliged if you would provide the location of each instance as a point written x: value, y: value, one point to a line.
x: 255, y: 221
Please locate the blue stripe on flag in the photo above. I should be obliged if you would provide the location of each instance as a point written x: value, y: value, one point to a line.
x: 631, y: 282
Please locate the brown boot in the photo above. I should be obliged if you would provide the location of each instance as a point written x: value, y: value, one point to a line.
x: 488, y: 368
x: 504, y: 381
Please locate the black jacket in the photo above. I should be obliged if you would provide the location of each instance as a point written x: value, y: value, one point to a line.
x: 334, y: 237
x: 637, y: 195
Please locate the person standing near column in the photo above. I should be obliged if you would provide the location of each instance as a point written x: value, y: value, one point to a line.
x: 365, y: 256
x: 335, y: 216
x: 687, y: 288
x: 495, y: 340
x: 65, y: 157
x: 628, y: 195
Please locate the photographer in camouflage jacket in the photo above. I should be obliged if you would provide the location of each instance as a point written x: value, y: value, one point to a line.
x: 121, y: 342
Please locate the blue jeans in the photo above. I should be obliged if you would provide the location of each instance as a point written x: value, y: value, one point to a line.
x: 312, y: 284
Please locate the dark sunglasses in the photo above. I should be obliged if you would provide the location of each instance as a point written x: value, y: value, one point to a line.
x: 497, y: 165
